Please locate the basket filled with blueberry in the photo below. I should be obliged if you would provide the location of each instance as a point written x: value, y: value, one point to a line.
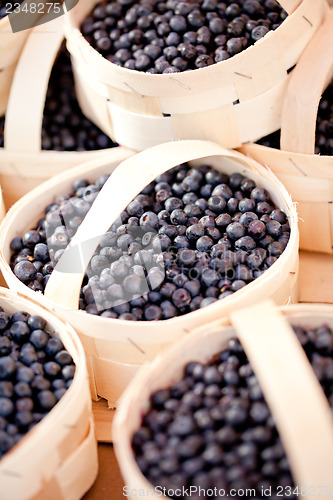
x: 187, y: 70
x: 301, y: 153
x: 136, y: 262
x: 48, y: 133
x: 47, y: 442
x: 208, y: 416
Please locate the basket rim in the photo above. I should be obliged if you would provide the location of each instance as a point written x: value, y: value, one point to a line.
x: 315, y: 157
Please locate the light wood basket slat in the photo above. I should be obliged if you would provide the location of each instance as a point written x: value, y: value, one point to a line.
x: 284, y: 373
x: 115, y: 348
x: 57, y: 458
x: 124, y: 102
x: 307, y: 177
x: 23, y: 165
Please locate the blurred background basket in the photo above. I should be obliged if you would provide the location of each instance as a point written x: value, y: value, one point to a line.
x: 23, y: 163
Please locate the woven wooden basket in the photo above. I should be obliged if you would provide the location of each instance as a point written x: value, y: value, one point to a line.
x: 115, y: 348
x: 124, y: 103
x: 57, y: 459
x: 285, y: 376
x: 307, y: 177
x: 23, y: 164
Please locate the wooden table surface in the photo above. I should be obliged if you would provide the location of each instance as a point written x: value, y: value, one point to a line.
x: 316, y: 285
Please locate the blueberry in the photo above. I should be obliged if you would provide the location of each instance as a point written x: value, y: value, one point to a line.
x: 119, y: 270
x: 152, y: 312
x: 46, y: 400
x: 6, y: 407
x: 235, y: 230
x: 16, y: 244
x: 274, y: 228
x: 181, y: 297
x: 68, y: 372
x: 53, y: 346
x: 148, y: 220
x: 263, y: 207
x: 172, y: 204
x: 25, y: 374
x: 28, y: 354
x: 245, y: 243
x: 259, y: 32
x: 204, y: 243
x: 278, y: 215
x: 6, y: 389
x: 186, y: 257
x: 181, y: 242
x: 4, y: 320
x: 216, y: 203
x: 210, y: 277
x: 274, y: 249
x: 132, y: 284
x: 41, y: 252
x: 31, y: 238
x: 20, y: 331
x: 25, y: 271
x: 178, y: 216
x: 7, y: 367
x: 195, y: 232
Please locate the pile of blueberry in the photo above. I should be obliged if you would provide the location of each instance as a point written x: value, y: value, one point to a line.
x: 169, y: 36
x: 213, y: 428
x: 324, y: 127
x: 35, y: 372
x: 191, y: 237
x: 65, y: 128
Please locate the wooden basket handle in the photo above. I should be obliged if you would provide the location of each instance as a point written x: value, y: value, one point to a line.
x: 126, y: 182
x: 300, y: 408
x: 25, y: 110
x: 310, y: 77
x: 289, y: 5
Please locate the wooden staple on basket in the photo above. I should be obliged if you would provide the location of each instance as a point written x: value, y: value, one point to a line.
x: 285, y: 375
x: 116, y: 348
x: 57, y: 459
x: 307, y: 177
x: 124, y: 102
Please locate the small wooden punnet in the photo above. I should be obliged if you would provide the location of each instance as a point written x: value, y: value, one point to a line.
x: 115, y: 348
x: 230, y: 102
x: 23, y: 163
x: 57, y: 459
x: 307, y: 177
x: 298, y: 404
